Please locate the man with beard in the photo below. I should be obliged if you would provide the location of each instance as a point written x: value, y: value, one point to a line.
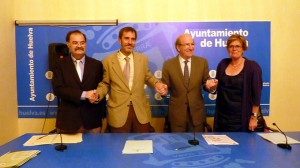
x: 75, y: 79
x: 125, y: 74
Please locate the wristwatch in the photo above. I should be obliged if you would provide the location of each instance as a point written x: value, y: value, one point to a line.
x: 254, y: 114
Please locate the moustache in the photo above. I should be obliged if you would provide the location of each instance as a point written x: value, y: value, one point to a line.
x: 129, y: 45
x: 79, y: 48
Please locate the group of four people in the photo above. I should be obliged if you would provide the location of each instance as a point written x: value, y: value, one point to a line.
x: 82, y: 84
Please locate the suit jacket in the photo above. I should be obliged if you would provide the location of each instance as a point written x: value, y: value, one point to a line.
x: 182, y: 96
x: 73, y: 112
x: 120, y: 94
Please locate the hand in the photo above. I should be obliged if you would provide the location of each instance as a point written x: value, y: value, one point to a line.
x: 161, y: 88
x: 92, y: 96
x: 253, y: 123
x: 211, y: 84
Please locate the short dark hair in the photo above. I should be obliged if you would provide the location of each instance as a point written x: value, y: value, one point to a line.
x: 74, y: 32
x: 237, y: 37
x: 127, y: 29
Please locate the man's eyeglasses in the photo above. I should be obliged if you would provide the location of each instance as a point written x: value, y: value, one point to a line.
x: 235, y: 47
x: 187, y: 45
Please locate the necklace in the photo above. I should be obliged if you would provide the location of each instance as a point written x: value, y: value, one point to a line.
x: 236, y: 65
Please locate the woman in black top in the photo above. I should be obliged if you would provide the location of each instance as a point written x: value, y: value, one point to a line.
x: 239, y: 89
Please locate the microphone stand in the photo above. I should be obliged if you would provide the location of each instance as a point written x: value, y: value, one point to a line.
x: 194, y: 141
x: 61, y: 147
x: 283, y: 145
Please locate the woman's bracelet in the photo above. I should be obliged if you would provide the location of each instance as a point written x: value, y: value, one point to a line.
x: 254, y: 118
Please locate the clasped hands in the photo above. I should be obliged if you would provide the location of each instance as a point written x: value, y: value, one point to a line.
x: 161, y: 88
x: 92, y: 96
x: 211, y: 85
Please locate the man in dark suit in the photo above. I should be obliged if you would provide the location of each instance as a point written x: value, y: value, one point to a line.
x: 128, y: 107
x: 185, y: 76
x: 75, y: 79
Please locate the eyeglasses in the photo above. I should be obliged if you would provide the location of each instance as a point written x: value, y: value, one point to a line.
x: 187, y: 45
x: 235, y: 47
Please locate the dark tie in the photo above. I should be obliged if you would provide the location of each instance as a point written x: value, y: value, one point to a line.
x: 126, y: 69
x: 186, y: 74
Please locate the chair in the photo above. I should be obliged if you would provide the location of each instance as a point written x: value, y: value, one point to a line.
x: 52, y: 132
x: 262, y: 125
x: 207, y: 127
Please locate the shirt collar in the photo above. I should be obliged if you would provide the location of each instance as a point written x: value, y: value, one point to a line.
x: 82, y: 59
x: 181, y: 60
x: 121, y: 56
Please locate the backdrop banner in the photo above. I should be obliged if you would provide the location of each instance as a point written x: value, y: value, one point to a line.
x: 156, y: 40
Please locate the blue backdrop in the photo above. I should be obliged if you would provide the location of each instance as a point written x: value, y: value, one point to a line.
x: 156, y: 40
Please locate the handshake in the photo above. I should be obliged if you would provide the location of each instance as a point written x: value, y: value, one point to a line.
x: 161, y: 88
x: 92, y: 96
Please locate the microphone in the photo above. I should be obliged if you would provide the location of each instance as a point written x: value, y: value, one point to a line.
x: 194, y: 141
x: 283, y: 145
x: 61, y: 147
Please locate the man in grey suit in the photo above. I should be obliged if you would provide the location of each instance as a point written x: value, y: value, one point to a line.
x: 125, y: 74
x: 185, y: 75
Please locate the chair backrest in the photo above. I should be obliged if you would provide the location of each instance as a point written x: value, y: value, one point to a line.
x: 262, y: 125
x: 207, y: 127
